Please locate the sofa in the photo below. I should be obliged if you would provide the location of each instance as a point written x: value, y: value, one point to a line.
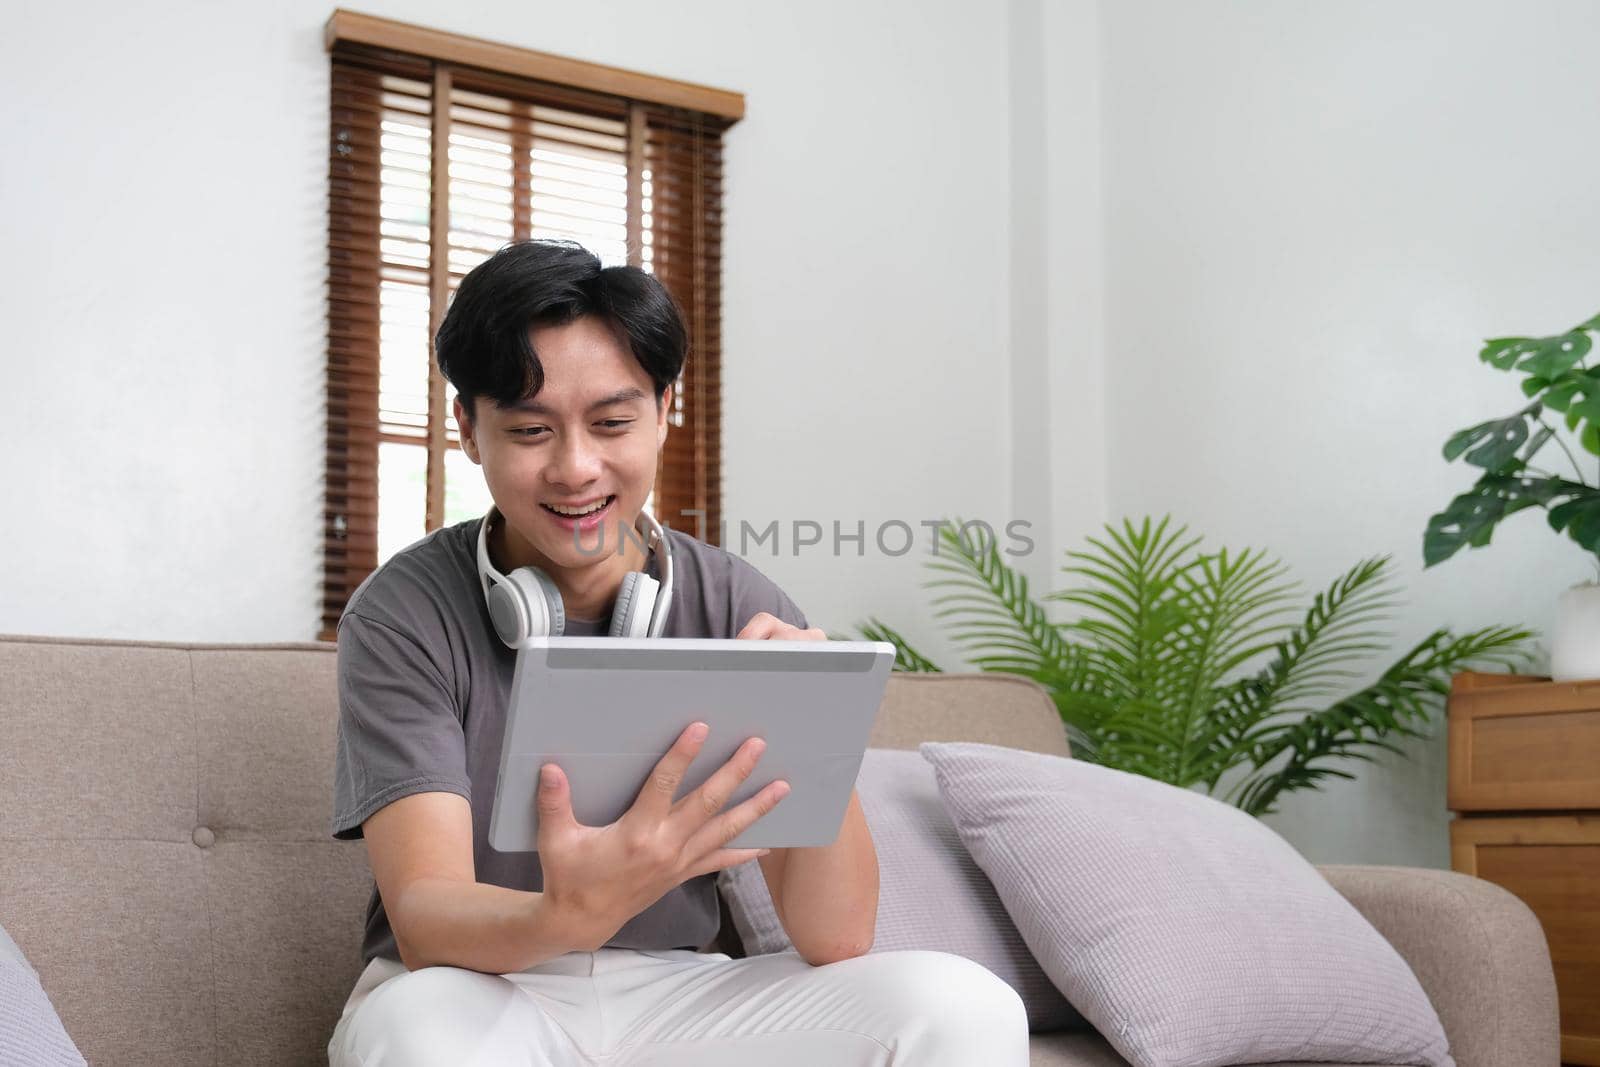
x: 166, y: 866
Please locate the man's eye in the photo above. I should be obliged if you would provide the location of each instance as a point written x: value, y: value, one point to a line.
x: 616, y: 424
x: 528, y: 431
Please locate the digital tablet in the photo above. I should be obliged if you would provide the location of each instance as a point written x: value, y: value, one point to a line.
x: 606, y: 709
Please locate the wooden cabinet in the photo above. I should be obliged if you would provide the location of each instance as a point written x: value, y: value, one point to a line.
x: 1525, y: 784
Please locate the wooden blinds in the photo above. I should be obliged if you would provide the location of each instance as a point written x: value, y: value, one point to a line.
x: 433, y: 166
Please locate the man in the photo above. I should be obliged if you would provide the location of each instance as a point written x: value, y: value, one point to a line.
x: 589, y: 950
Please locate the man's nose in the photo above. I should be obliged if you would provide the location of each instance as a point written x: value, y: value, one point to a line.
x: 576, y: 462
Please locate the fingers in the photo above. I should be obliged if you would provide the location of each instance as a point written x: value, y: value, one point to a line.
x: 655, y: 799
x: 760, y: 627
x: 554, y: 802
x: 716, y: 833
x: 716, y: 790
x: 724, y: 858
x: 764, y: 626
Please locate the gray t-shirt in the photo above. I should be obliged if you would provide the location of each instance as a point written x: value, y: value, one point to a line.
x: 423, y: 688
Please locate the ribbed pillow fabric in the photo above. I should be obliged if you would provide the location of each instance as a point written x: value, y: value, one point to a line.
x: 30, y: 1030
x: 930, y: 893
x: 1186, y: 931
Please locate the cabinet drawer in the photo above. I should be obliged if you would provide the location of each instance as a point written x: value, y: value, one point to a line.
x: 1523, y: 744
x: 1552, y: 862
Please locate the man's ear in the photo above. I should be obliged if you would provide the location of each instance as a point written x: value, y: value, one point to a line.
x: 663, y: 405
x: 469, y: 443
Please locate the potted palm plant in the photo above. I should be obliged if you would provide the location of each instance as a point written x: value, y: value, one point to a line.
x: 1195, y: 667
x: 1561, y: 387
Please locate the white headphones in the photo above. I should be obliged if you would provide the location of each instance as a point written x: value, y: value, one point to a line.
x: 526, y: 604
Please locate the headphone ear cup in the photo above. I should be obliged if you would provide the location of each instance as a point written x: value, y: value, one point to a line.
x: 509, y: 615
x: 636, y: 602
x: 549, y: 614
x: 526, y: 605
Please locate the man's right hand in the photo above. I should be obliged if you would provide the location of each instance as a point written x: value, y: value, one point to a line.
x: 596, y: 878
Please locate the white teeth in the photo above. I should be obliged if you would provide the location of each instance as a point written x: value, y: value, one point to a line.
x: 574, y: 512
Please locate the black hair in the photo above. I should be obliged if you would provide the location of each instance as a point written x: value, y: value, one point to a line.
x: 483, y: 347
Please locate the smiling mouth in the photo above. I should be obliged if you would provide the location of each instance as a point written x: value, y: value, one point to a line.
x: 593, y: 509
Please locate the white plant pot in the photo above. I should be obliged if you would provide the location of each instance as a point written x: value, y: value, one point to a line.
x: 1575, y: 638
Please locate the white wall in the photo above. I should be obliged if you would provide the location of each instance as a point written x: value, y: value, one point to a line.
x: 1313, y: 215
x: 163, y: 288
x: 1074, y: 225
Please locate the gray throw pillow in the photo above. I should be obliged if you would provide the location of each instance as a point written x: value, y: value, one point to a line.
x: 30, y: 1031
x: 930, y: 893
x: 1185, y: 930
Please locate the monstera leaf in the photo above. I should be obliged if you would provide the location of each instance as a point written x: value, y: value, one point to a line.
x: 1574, y: 393
x: 1471, y: 518
x: 1542, y: 356
x: 1556, y: 380
x: 1491, y: 445
x: 1579, y: 517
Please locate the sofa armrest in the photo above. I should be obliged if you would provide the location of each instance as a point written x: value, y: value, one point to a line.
x: 1479, y: 953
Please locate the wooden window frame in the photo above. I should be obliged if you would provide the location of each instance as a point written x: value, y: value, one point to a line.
x: 673, y: 126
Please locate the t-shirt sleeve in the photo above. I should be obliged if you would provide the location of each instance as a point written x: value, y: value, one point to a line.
x: 753, y: 593
x: 399, y: 732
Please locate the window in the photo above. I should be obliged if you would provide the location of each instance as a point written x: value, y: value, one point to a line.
x: 442, y: 149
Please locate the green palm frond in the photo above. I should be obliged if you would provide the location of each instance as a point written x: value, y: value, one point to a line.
x: 1001, y: 627
x: 1161, y: 673
x: 1399, y: 703
x: 906, y: 658
x: 1335, y: 629
x: 1133, y: 614
x: 1130, y: 620
x: 1307, y: 663
x: 1166, y: 624
x: 1239, y: 601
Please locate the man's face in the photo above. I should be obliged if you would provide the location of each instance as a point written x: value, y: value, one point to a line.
x: 589, y: 436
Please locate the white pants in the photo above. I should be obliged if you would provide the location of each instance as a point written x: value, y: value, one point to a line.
x: 619, y: 1007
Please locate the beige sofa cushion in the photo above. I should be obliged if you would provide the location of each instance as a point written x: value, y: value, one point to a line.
x: 994, y: 708
x: 163, y: 813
